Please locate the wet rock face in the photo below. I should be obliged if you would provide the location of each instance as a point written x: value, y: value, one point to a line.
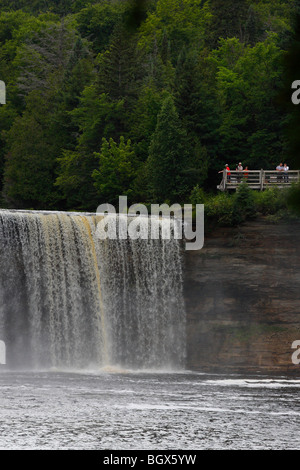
x: 242, y: 296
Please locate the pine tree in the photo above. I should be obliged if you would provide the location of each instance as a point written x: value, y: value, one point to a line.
x: 243, y: 204
x: 120, y: 67
x: 168, y: 156
x: 187, y: 89
x: 198, y: 111
x: 31, y: 160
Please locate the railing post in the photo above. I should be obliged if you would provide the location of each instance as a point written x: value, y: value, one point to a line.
x: 224, y: 179
x: 261, y: 179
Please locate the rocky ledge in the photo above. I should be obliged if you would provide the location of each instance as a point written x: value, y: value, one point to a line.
x: 242, y: 295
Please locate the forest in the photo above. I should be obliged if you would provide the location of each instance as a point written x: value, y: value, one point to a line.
x: 147, y: 99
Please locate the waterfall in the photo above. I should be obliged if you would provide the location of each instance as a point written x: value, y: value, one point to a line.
x: 71, y: 300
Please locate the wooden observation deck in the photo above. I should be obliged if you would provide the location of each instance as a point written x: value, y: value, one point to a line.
x: 259, y: 179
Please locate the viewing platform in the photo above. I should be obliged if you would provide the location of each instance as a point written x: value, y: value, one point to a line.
x: 258, y: 179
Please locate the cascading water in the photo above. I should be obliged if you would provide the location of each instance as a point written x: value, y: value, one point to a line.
x: 68, y: 299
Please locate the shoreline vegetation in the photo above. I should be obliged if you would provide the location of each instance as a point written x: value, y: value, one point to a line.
x: 244, y: 205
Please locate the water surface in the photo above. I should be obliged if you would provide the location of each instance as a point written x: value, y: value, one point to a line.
x: 133, y: 411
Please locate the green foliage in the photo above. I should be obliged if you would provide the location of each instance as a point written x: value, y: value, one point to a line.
x: 168, y: 156
x: 97, y: 23
x: 275, y: 15
x: 42, y: 61
x: 248, y: 83
x: 61, y: 7
x: 119, y: 74
x: 30, y: 166
x: 144, y: 118
x: 228, y: 19
x: 197, y: 196
x: 243, y: 204
x: 219, y: 209
x: 293, y: 199
x: 116, y: 170
x: 250, y: 21
x: 226, y: 209
x: 189, y: 83
x: 197, y: 111
x: 184, y: 22
x: 74, y: 180
x: 270, y: 201
x: 97, y: 116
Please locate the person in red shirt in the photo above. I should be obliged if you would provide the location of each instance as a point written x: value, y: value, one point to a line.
x: 228, y: 171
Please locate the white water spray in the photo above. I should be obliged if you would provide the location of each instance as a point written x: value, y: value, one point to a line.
x: 68, y: 299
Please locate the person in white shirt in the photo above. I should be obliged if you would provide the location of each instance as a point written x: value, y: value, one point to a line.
x: 286, y: 169
x: 239, y: 168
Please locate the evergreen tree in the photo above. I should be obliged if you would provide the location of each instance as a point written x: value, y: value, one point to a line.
x: 186, y: 89
x: 120, y: 67
x: 95, y: 118
x: 144, y: 119
x: 31, y: 161
x: 168, y: 156
x: 243, y: 205
x: 198, y: 111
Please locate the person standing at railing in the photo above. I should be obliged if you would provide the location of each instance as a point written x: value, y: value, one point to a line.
x: 280, y: 169
x: 239, y: 169
x: 286, y: 170
x: 227, y: 171
x: 246, y: 172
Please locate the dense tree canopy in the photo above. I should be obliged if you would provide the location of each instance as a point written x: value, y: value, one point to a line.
x: 148, y: 98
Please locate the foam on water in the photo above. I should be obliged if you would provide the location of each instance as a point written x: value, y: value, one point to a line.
x: 60, y: 410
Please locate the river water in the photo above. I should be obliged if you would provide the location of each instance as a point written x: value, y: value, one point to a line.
x: 147, y: 411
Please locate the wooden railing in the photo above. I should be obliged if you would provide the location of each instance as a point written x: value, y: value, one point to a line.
x: 259, y: 179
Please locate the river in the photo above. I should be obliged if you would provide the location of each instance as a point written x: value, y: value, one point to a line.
x: 125, y: 410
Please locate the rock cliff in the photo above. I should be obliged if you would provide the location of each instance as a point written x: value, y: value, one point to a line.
x: 242, y: 295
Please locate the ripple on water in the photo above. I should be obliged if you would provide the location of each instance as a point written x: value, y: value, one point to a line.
x: 64, y: 410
